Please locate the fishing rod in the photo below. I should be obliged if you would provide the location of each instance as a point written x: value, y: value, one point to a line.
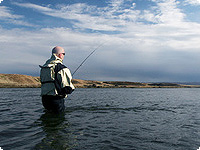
x: 87, y: 58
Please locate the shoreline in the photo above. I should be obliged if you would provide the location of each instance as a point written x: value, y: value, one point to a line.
x: 25, y: 81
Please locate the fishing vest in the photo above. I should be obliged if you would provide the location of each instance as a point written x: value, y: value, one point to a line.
x: 55, y: 78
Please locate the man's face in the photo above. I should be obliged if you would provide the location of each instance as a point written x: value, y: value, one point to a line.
x: 61, y: 53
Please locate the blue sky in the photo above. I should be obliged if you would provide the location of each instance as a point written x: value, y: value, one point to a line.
x: 144, y: 40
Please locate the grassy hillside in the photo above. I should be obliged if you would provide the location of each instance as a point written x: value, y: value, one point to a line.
x: 16, y: 80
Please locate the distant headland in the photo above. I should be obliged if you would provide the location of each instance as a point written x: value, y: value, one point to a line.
x: 25, y: 81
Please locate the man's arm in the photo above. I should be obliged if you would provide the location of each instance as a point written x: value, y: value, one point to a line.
x: 65, y: 78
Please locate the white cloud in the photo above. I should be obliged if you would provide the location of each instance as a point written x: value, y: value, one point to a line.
x: 91, y: 17
x: 115, y: 16
x: 9, y: 17
x: 167, y: 27
x: 165, y: 12
x: 6, y: 13
x: 148, y: 39
x: 149, y: 48
x: 1, y: 1
x: 193, y: 2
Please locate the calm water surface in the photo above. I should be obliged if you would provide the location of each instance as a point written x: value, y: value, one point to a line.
x: 102, y: 119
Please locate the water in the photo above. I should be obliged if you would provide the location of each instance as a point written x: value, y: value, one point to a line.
x: 102, y: 119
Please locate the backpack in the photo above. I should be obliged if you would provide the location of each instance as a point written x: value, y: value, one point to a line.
x: 48, y: 74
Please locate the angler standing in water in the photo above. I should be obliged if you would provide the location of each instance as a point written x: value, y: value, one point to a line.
x: 56, y: 81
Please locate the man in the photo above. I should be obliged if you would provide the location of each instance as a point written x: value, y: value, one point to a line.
x: 56, y: 81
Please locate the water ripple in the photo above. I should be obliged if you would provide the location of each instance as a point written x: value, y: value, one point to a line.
x: 120, y: 119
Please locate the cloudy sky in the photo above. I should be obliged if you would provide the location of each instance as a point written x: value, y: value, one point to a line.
x: 143, y: 40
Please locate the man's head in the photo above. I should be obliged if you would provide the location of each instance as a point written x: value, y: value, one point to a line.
x: 59, y: 51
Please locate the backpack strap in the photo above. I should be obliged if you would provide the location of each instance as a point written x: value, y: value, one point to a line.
x: 48, y: 82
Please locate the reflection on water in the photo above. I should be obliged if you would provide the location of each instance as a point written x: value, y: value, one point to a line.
x: 57, y: 134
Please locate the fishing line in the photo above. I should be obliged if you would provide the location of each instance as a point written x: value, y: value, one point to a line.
x: 87, y: 57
